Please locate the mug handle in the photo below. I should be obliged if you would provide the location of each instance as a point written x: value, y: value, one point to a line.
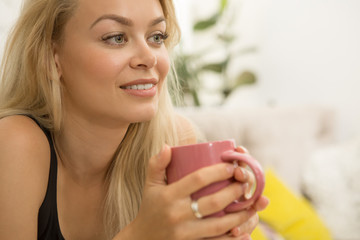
x: 230, y: 156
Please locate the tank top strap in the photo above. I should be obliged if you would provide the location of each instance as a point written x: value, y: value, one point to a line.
x: 48, y: 221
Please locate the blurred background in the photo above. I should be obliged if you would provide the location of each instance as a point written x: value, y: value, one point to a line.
x: 301, y: 51
x: 281, y: 77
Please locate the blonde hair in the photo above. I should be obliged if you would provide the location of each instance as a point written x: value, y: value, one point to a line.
x: 142, y: 141
x: 30, y: 84
x: 29, y: 80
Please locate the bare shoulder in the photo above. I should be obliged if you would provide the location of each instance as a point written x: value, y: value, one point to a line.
x: 20, y: 135
x: 187, y: 131
x: 24, y: 170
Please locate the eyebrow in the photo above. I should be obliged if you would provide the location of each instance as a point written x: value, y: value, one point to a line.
x: 125, y: 21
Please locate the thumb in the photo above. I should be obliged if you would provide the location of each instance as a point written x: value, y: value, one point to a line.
x: 157, y: 166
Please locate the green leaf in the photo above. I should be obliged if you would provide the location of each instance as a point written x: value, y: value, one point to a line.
x: 207, y: 23
x: 246, y: 77
x: 215, y: 67
x: 228, y: 38
x: 223, y: 4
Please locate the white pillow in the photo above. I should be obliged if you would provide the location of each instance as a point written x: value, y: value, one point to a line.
x: 332, y: 181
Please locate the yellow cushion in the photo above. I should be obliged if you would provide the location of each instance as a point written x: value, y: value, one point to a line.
x: 289, y: 215
x: 258, y: 234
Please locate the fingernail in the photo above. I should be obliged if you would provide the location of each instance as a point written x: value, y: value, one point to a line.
x: 248, y: 194
x: 245, y: 173
x: 230, y: 169
x: 236, y: 164
x: 236, y: 231
x: 247, y: 191
x: 245, y: 150
x: 245, y: 187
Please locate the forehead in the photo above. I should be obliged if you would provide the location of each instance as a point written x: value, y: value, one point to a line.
x: 133, y: 9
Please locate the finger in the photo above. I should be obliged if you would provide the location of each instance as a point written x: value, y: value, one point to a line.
x: 238, y: 235
x: 217, y: 226
x: 261, y: 203
x: 235, y: 233
x: 218, y: 201
x: 230, y: 237
x: 246, y: 228
x: 241, y: 149
x: 201, y: 178
x: 157, y: 166
x: 242, y: 174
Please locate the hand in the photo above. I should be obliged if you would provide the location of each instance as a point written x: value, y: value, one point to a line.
x: 243, y: 175
x: 165, y: 211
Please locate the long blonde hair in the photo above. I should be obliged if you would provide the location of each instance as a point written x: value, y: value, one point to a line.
x: 30, y: 84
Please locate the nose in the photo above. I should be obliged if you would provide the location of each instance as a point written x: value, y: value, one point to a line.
x: 144, y: 57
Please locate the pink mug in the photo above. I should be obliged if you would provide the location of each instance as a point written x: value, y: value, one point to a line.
x: 189, y: 158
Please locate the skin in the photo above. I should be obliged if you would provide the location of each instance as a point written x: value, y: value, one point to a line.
x: 93, y: 67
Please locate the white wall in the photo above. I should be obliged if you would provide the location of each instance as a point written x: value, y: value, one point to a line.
x: 310, y: 53
x: 9, y: 10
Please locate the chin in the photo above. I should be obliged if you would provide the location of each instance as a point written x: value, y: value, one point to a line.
x: 143, y: 115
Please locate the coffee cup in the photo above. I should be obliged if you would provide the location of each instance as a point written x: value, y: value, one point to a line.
x: 189, y: 158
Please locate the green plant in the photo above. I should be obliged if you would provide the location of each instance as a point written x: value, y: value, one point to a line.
x: 190, y: 66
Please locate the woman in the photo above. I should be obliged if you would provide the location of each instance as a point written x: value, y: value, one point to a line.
x: 83, y: 107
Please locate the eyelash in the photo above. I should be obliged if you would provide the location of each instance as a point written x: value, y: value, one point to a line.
x: 163, y: 37
x: 111, y: 38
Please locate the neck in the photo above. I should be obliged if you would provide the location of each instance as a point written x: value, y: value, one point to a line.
x: 85, y: 149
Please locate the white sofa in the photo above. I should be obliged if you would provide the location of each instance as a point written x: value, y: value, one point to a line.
x: 331, y: 179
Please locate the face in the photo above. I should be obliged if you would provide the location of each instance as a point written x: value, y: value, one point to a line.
x: 113, y: 61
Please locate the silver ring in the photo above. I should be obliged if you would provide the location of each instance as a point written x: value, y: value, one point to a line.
x: 195, y: 209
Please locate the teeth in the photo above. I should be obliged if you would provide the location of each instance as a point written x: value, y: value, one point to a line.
x: 140, y: 86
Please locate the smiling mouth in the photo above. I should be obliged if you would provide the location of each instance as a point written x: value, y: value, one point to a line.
x: 139, y: 86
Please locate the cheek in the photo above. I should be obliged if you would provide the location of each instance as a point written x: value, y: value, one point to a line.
x: 163, y: 65
x: 90, y: 63
x: 89, y: 76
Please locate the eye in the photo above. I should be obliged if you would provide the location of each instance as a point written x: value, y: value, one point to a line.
x: 158, y: 38
x: 115, y: 39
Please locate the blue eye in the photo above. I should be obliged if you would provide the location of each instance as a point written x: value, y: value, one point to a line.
x: 158, y: 38
x: 117, y: 39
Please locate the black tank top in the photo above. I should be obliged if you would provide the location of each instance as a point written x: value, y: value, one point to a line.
x: 48, y: 221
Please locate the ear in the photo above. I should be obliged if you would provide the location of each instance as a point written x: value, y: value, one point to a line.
x: 55, y: 48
